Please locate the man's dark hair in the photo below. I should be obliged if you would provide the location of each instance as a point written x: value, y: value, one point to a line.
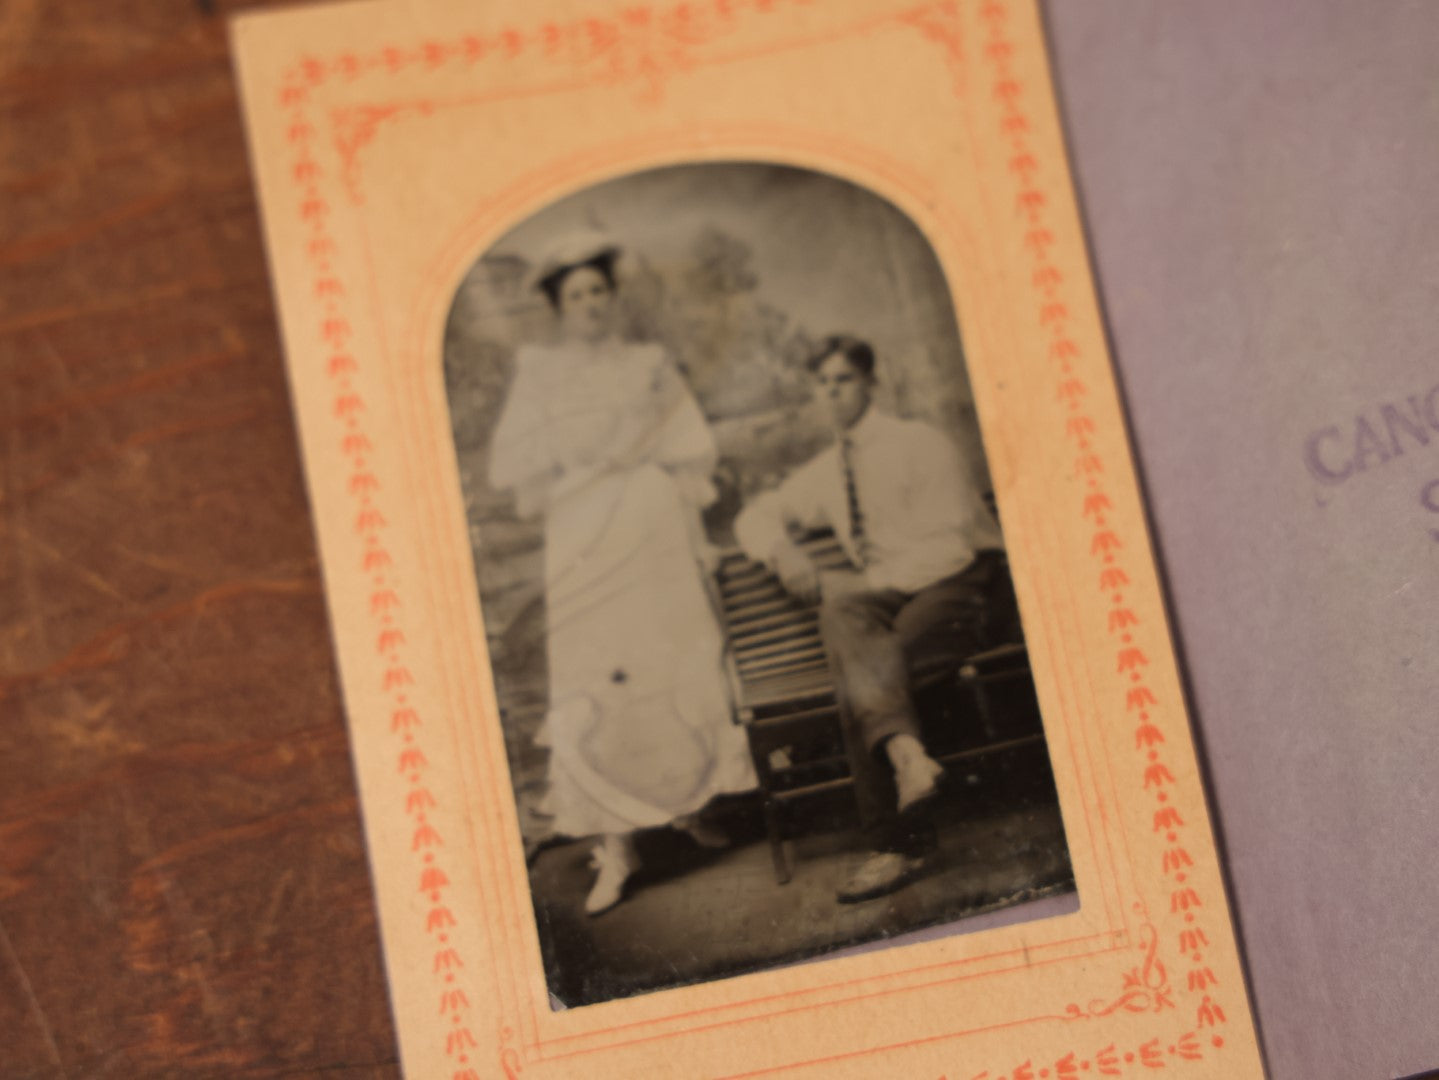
x: 859, y: 353
x: 551, y: 283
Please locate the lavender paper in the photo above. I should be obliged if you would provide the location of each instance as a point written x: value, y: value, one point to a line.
x: 1261, y: 182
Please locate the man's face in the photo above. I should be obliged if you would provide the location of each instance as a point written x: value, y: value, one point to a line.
x: 844, y: 390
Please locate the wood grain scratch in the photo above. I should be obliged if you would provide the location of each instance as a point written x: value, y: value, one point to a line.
x: 41, y: 1021
x: 68, y: 562
x: 72, y: 235
x: 149, y: 380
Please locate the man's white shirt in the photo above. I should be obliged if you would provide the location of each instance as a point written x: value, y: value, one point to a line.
x: 924, y: 517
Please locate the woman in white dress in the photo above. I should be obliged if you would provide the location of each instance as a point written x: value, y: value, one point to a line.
x: 603, y: 438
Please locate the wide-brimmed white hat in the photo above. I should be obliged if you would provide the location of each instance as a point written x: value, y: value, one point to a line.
x: 579, y: 248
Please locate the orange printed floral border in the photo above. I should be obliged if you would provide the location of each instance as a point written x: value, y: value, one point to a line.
x: 645, y: 44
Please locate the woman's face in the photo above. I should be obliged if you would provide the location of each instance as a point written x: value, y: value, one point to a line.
x: 586, y: 305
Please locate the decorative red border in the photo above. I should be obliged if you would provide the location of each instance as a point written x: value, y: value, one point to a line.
x: 1053, y: 311
x: 378, y: 572
x: 645, y: 45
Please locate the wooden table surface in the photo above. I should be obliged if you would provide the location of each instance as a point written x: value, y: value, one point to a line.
x: 183, y: 884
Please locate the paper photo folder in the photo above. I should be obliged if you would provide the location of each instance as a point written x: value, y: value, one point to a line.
x: 396, y: 144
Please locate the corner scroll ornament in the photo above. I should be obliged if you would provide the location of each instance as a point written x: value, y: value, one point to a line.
x: 354, y: 126
x: 1145, y: 990
x: 941, y: 24
x: 1145, y: 987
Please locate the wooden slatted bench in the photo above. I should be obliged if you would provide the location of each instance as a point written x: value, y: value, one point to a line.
x: 784, y: 692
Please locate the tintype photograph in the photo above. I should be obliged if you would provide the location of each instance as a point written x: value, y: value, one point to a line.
x: 760, y: 668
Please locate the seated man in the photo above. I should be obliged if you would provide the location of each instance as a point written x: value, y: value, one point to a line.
x: 929, y: 587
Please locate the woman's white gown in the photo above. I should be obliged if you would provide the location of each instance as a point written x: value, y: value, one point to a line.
x: 608, y: 443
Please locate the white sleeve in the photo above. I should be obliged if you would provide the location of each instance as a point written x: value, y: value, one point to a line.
x: 764, y: 524
x: 760, y: 526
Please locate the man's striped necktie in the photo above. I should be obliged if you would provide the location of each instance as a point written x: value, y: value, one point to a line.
x: 858, y: 541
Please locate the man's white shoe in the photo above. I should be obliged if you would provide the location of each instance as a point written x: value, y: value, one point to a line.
x: 614, y: 860
x: 881, y: 873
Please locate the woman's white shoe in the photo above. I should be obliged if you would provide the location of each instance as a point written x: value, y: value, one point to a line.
x: 615, y: 860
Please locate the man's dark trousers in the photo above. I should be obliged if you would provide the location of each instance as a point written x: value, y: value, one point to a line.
x: 883, y: 646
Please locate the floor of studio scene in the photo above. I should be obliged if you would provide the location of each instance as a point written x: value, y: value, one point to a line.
x: 693, y: 914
